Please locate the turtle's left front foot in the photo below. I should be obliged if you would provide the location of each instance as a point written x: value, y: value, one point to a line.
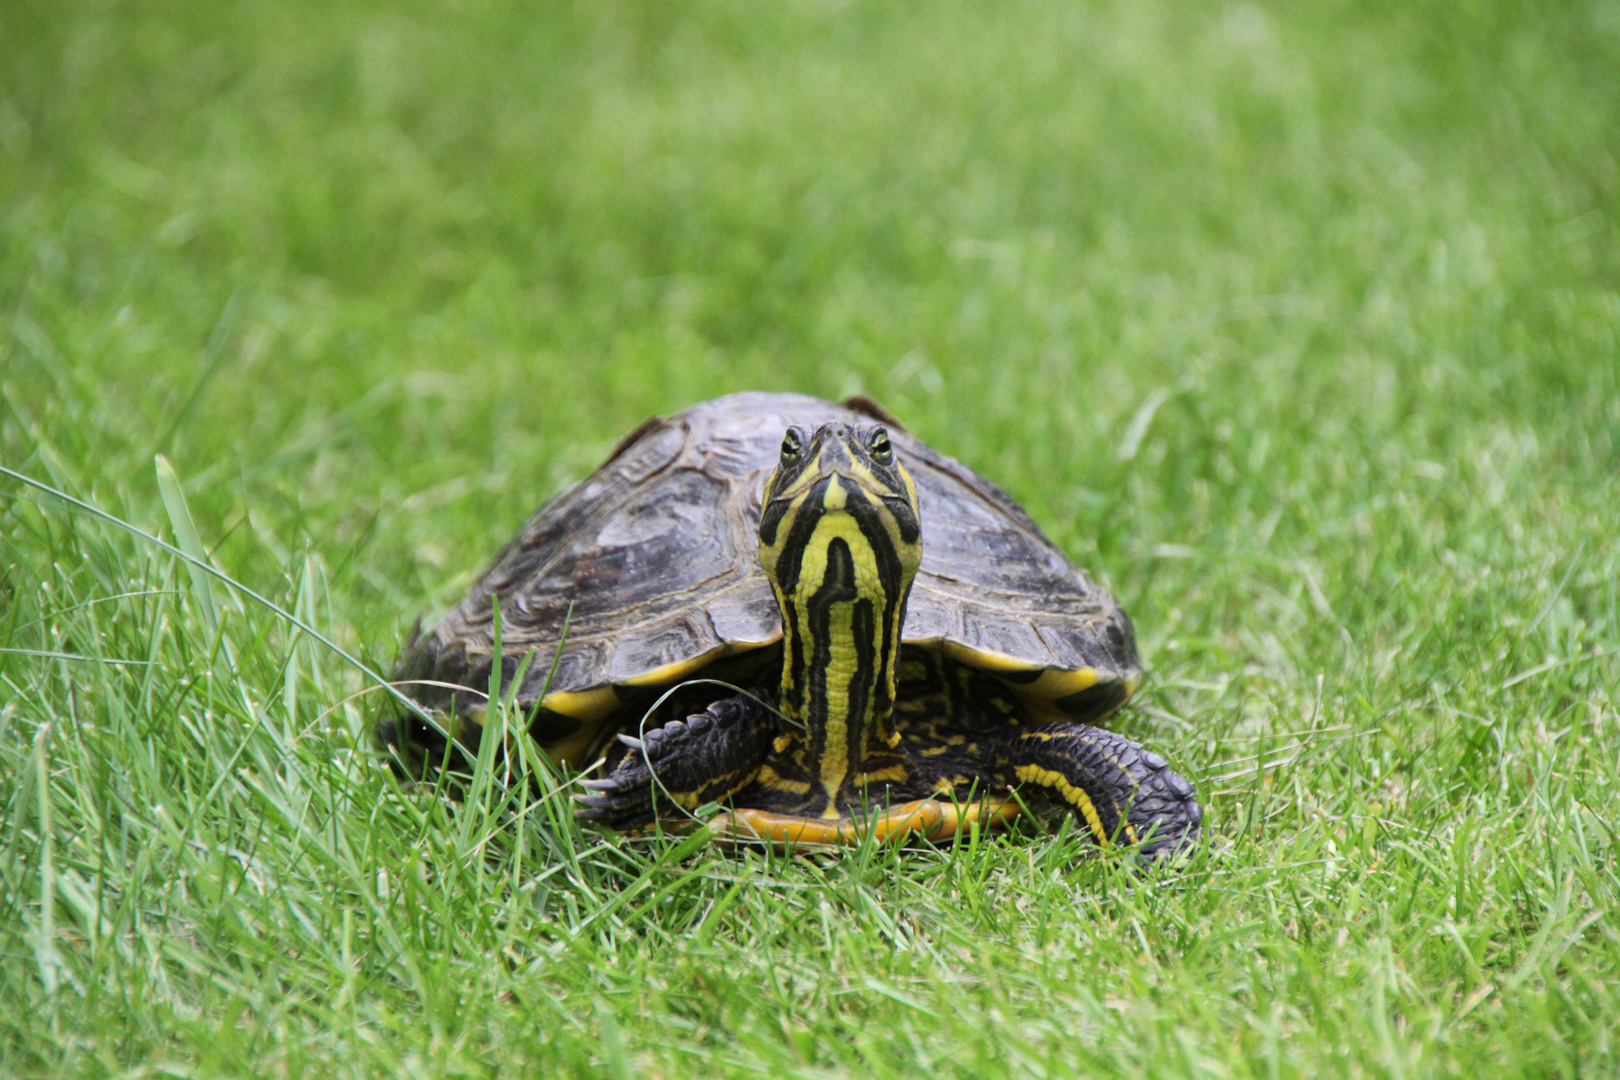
x: 683, y: 764
x: 1124, y: 792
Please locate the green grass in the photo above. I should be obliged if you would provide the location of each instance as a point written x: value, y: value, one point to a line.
x: 1298, y: 324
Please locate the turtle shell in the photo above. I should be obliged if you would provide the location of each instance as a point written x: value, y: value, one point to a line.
x: 652, y: 564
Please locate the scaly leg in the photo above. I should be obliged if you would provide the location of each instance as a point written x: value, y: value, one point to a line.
x: 1124, y: 793
x: 701, y: 759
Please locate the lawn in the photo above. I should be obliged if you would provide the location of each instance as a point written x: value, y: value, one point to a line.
x: 1297, y: 324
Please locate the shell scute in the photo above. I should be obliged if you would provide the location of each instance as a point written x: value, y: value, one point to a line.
x: 746, y: 616
x: 657, y: 448
x: 676, y: 639
x: 1002, y: 636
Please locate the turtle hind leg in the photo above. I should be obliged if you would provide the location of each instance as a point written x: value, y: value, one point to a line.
x: 1124, y: 793
x: 684, y: 763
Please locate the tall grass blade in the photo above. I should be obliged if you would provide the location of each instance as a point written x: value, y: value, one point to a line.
x: 186, y: 536
x: 45, y: 956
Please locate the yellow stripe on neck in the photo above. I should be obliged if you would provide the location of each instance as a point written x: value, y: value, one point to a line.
x: 843, y: 644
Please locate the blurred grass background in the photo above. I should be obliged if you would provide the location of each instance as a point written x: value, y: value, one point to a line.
x: 1298, y: 324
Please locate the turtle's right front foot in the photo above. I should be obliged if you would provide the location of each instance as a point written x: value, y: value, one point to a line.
x: 683, y: 764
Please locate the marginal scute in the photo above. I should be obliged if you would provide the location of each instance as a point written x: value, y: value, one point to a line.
x: 990, y: 660
x: 746, y: 620
x: 1083, y: 695
x: 583, y: 704
x: 675, y: 672
x: 927, y: 621
x: 1055, y: 683
x: 672, y: 645
x: 1006, y: 643
x: 1092, y: 702
x: 581, y: 660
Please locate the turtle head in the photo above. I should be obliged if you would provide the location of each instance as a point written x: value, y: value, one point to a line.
x: 840, y: 541
x: 840, y: 485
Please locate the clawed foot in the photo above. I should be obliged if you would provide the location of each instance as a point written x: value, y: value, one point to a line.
x: 627, y: 795
x: 1164, y: 811
x: 682, y: 765
x: 1124, y: 792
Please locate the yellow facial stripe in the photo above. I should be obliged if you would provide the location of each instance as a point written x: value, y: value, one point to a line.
x: 836, y: 498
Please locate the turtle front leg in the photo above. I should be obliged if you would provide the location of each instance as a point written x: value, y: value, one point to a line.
x: 1123, y: 792
x: 684, y: 763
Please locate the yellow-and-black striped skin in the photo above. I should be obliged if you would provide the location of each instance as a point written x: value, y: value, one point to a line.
x: 840, y: 541
x: 859, y: 731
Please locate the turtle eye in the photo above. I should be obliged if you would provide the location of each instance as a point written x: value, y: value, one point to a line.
x: 878, y: 441
x: 790, y: 446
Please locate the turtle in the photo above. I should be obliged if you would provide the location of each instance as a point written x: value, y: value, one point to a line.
x: 799, y: 611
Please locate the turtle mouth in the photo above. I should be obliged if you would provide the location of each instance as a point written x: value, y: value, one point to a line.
x: 846, y: 488
x: 852, y: 476
x: 816, y: 480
